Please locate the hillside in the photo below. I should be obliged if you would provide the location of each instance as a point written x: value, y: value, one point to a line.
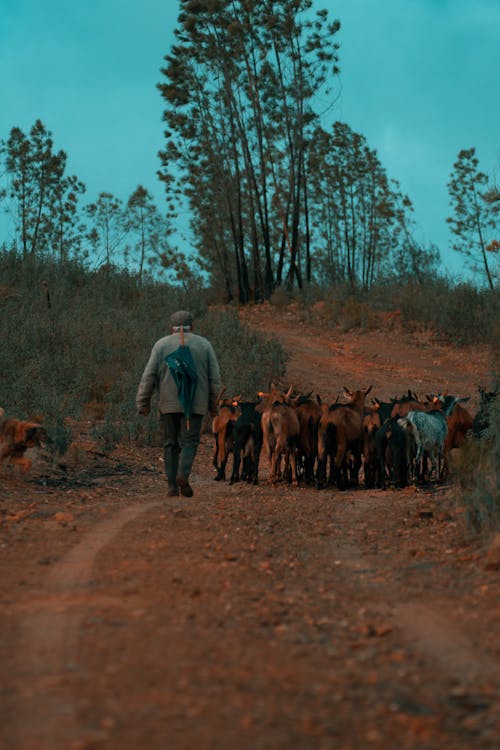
x: 252, y: 617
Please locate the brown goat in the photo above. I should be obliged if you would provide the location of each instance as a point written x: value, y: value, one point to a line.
x: 280, y: 432
x: 459, y: 426
x: 371, y: 424
x: 402, y: 407
x: 309, y: 413
x: 222, y: 431
x: 340, y: 431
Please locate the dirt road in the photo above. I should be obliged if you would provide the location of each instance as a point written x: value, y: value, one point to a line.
x: 251, y: 617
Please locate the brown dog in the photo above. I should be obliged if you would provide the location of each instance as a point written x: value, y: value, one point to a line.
x: 16, y: 436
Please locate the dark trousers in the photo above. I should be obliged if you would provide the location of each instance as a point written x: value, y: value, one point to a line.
x: 180, y: 444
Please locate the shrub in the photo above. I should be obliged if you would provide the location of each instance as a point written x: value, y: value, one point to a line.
x: 60, y: 434
x: 248, y: 361
x: 355, y: 313
x: 281, y: 297
x: 475, y: 472
x: 463, y: 313
x: 84, y: 354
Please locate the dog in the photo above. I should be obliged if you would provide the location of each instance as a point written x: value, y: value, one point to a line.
x: 16, y: 436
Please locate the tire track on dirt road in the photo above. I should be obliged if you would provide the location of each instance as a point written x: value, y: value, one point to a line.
x: 426, y: 626
x: 53, y: 685
x: 436, y: 635
x: 45, y: 717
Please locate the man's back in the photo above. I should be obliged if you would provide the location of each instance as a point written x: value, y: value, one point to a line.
x: 157, y: 374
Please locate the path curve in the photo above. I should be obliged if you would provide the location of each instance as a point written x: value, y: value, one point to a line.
x: 46, y: 715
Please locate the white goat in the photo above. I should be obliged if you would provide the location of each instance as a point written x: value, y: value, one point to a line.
x: 428, y: 430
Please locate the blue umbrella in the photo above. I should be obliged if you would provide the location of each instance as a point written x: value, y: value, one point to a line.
x: 181, y: 365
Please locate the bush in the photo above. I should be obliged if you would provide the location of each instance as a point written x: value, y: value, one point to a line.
x: 474, y: 470
x: 463, y: 313
x: 83, y: 355
x: 248, y: 361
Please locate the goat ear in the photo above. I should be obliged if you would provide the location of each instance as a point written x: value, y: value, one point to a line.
x: 19, y: 431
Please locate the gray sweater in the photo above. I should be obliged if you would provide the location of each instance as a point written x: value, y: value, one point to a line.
x: 157, y: 375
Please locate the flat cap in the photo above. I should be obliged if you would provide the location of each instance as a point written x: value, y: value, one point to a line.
x: 181, y: 318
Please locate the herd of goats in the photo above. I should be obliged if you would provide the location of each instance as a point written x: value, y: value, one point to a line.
x: 398, y: 442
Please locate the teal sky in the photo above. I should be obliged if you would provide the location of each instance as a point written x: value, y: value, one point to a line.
x: 420, y: 80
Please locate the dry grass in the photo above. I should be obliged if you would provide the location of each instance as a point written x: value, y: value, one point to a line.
x: 83, y: 355
x: 474, y: 470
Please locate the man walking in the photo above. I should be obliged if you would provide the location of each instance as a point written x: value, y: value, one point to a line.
x: 181, y: 425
